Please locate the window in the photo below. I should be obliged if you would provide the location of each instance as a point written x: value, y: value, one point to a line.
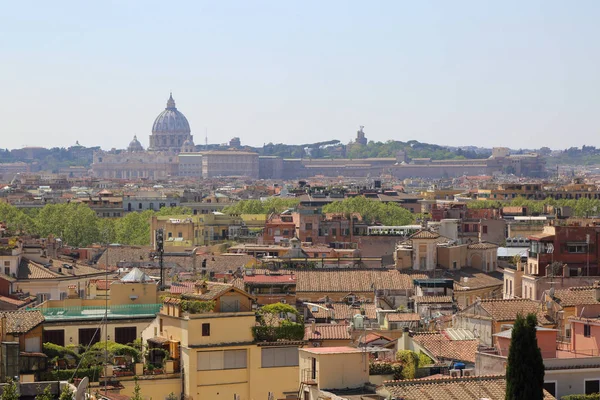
x: 587, y: 330
x: 54, y: 336
x: 454, y: 265
x: 180, y: 234
x: 140, y: 206
x: 577, y: 248
x: 279, y: 357
x: 484, y: 229
x: 550, y: 387
x: 333, y: 232
x: 7, y: 263
x: 592, y: 386
x: 205, y: 329
x: 6, y: 270
x: 568, y: 331
x: 89, y: 336
x: 125, y: 335
x: 216, y: 360
x: 160, y: 322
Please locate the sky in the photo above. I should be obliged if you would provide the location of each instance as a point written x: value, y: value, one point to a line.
x: 522, y: 74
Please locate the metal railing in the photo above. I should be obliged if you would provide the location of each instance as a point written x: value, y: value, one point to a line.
x: 308, y: 375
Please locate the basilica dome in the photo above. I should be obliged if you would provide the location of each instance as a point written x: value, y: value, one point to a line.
x: 171, y: 121
x: 135, y: 145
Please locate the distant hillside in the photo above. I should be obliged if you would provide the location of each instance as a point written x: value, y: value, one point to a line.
x: 334, y: 149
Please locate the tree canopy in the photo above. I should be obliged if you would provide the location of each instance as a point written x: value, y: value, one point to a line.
x: 525, y: 369
x: 268, y: 206
x: 390, y: 214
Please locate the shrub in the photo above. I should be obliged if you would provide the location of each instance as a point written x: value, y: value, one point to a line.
x: 289, y: 331
x: 386, y: 368
x: 410, y: 361
x: 424, y: 359
x: 197, y: 306
x: 93, y: 374
x: 54, y: 351
x: 95, y: 355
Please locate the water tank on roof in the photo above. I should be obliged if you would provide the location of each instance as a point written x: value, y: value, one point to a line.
x: 358, y: 321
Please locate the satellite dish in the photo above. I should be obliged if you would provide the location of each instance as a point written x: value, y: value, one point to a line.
x: 81, y: 388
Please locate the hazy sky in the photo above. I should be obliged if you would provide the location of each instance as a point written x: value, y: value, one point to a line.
x: 512, y: 73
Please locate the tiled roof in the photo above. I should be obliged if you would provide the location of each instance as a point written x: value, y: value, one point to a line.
x: 343, y: 311
x: 402, y: 317
x: 270, y: 279
x: 22, y: 321
x: 442, y: 347
x: 327, y: 331
x: 471, y: 278
x: 482, y: 246
x: 215, y: 290
x: 425, y: 234
x: 574, y: 296
x: 507, y: 310
x: 432, y: 299
x: 371, y: 337
x: 491, y: 387
x: 30, y: 270
x: 353, y: 280
x: 16, y: 302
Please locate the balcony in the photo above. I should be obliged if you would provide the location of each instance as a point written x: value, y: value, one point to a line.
x: 308, y: 376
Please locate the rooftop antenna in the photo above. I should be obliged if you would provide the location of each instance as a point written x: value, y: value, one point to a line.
x: 205, y: 138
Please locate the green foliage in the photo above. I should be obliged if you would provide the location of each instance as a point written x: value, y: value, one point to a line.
x: 96, y: 354
x: 93, y: 373
x: 270, y: 333
x: 137, y: 391
x: 583, y: 207
x: 389, y: 214
x: 424, y: 360
x: 268, y: 206
x: 197, y: 306
x: 54, y: 351
x: 278, y: 308
x: 594, y: 396
x: 66, y: 393
x: 386, y: 368
x: 46, y: 394
x: 16, y: 220
x: 11, y: 391
x: 410, y: 362
x: 134, y: 228
x: 172, y: 396
x: 525, y: 369
x: 412, y: 148
x: 174, y: 211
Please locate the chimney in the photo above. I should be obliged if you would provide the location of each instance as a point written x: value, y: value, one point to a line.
x: 597, y: 290
x: 201, y: 287
x: 313, y: 325
x: 566, y: 271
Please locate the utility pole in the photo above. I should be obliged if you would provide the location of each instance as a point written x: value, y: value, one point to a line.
x: 160, y: 248
x: 587, y: 251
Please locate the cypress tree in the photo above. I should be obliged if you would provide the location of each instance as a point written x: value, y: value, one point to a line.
x: 525, y: 369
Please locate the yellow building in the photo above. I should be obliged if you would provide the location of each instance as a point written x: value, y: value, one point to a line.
x: 198, y: 230
x: 217, y: 348
x: 132, y: 305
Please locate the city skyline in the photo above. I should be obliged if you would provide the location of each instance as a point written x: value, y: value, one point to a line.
x: 460, y: 74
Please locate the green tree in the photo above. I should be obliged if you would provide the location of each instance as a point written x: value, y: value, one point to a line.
x: 66, y: 393
x: 137, y: 391
x: 525, y: 369
x: 75, y: 223
x: 174, y: 211
x: 11, y: 391
x: 410, y: 362
x: 46, y: 394
x: 372, y: 211
x: 134, y: 228
x: 16, y: 220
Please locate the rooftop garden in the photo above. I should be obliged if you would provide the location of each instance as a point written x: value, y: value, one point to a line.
x: 278, y: 322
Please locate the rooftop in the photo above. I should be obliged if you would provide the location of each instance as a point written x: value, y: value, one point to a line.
x: 332, y: 350
x: 442, y: 346
x: 97, y: 312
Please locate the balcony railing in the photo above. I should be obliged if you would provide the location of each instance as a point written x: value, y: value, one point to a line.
x: 309, y: 376
x: 95, y: 312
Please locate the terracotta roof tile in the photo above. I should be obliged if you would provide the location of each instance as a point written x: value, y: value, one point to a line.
x: 471, y: 278
x: 342, y: 311
x: 507, y: 310
x: 574, y: 296
x: 353, y: 280
x: 483, y: 246
x: 425, y: 234
x: 22, y: 321
x: 492, y: 387
x: 432, y: 299
x: 442, y: 347
x: 327, y: 331
x: 402, y: 317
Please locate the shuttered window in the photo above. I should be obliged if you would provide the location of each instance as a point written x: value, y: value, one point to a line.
x: 56, y: 336
x: 279, y: 357
x: 227, y: 359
